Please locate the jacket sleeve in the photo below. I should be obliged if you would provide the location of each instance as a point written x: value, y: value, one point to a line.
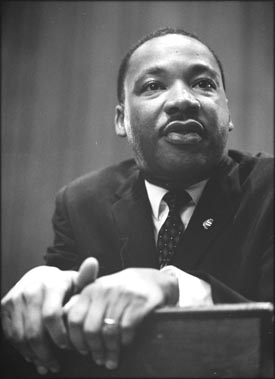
x: 264, y: 282
x: 221, y: 293
x: 63, y: 252
x: 266, y: 272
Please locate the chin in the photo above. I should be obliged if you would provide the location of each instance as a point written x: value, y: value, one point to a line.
x: 181, y: 173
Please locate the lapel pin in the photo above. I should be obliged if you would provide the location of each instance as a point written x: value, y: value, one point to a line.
x: 207, y: 223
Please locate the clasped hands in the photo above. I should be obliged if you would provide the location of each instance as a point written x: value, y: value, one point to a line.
x: 101, y: 316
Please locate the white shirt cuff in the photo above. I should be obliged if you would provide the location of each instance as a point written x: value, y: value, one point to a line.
x: 192, y: 290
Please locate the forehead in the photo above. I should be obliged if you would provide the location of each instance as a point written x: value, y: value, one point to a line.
x: 168, y: 51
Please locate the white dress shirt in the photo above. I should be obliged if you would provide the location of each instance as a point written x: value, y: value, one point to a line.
x: 192, y: 290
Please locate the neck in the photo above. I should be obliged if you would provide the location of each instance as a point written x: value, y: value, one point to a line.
x: 182, y: 182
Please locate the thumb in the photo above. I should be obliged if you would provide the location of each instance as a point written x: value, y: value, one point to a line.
x: 87, y: 273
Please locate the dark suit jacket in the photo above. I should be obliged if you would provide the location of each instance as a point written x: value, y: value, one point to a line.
x: 107, y: 215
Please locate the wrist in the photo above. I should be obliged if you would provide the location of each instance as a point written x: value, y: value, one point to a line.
x: 193, y: 291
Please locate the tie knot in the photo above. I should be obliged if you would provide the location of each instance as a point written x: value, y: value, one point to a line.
x: 176, y: 200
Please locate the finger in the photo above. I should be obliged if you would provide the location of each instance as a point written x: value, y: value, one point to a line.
x: 92, y: 327
x: 127, y: 335
x: 52, y: 316
x: 129, y: 312
x: 87, y: 273
x: 35, y: 334
x: 131, y: 318
x: 11, y: 319
x: 111, y: 338
x: 13, y: 326
x: 111, y: 331
x: 41, y: 355
x: 20, y: 340
x: 75, y: 315
x: 71, y: 303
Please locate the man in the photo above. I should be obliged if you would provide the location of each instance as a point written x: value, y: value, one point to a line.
x: 174, y: 113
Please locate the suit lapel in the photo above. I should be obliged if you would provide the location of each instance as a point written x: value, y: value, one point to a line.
x: 213, y: 212
x: 132, y: 215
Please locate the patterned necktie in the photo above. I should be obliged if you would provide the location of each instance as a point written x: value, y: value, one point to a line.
x: 172, y: 229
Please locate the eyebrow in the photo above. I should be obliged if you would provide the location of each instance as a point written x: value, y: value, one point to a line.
x: 200, y: 68
x: 195, y: 69
x: 154, y: 70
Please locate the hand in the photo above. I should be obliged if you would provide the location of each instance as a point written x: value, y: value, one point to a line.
x: 32, y: 313
x: 126, y: 298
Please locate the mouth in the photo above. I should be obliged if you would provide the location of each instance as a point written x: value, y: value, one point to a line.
x: 183, y: 132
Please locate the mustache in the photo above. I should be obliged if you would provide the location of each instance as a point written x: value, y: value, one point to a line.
x: 183, y: 126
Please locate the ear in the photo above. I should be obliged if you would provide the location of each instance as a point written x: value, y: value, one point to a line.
x: 119, y: 121
x: 231, y: 125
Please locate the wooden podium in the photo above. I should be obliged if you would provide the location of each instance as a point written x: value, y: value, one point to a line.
x: 221, y: 341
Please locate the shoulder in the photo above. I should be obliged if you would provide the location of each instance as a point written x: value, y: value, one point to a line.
x: 101, y: 183
x: 255, y: 170
x: 261, y: 164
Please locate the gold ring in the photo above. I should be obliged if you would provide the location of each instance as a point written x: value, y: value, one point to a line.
x: 109, y: 321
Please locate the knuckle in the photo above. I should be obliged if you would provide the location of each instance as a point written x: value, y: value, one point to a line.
x: 127, y: 326
x: 6, y: 323
x: 93, y: 340
x: 33, y: 338
x: 102, y: 285
x: 74, y: 319
x: 9, y: 303
x: 31, y: 294
x: 88, y: 290
x: 110, y: 331
x: 5, y: 303
x: 90, y: 331
x: 15, y: 337
x: 51, y: 315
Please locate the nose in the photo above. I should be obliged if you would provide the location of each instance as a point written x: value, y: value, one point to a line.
x: 181, y: 99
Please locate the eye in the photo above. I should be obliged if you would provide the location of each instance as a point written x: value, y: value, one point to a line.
x: 205, y: 84
x: 152, y: 86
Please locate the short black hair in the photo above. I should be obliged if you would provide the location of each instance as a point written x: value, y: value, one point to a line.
x: 158, y: 33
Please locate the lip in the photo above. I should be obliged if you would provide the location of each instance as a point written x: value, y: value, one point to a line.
x: 183, y: 132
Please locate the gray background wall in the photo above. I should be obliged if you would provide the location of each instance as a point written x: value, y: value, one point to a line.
x: 59, y: 67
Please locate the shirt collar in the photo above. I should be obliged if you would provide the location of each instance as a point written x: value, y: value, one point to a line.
x: 156, y: 193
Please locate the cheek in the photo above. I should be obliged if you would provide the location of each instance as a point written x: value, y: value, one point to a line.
x: 217, y: 114
x: 139, y: 123
x: 222, y: 111
x: 134, y: 129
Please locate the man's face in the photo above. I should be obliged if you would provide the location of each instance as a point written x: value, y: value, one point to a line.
x: 175, y: 114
